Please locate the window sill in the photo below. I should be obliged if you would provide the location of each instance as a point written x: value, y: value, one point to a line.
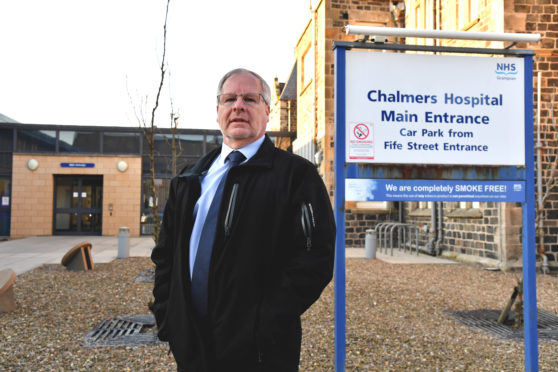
x: 369, y: 207
x: 465, y: 213
x: 305, y: 86
x: 471, y: 24
x: 421, y: 212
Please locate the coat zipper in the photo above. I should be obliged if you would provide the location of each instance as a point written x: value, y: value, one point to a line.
x: 230, y: 210
x: 259, y: 351
x: 308, y: 223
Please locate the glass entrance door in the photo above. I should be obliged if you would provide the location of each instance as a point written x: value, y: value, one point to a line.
x: 5, y: 205
x: 78, y: 205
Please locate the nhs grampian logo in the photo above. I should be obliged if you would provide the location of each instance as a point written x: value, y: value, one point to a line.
x: 517, y: 187
x: 506, y: 71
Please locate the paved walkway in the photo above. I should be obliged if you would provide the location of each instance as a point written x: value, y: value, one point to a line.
x: 22, y: 255
x: 400, y: 257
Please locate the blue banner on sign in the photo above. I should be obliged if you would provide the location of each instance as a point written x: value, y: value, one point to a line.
x: 357, y: 189
x: 77, y: 165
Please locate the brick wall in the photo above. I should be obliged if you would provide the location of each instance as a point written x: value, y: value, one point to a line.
x: 491, y: 232
x: 315, y: 116
x: 542, y: 17
x: 498, y: 232
x: 33, y: 191
x: 338, y: 14
x: 305, y: 90
x: 357, y: 222
x: 276, y: 112
x: 282, y: 116
x: 473, y: 236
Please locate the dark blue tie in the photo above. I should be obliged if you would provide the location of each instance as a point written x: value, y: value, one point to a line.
x: 207, y: 237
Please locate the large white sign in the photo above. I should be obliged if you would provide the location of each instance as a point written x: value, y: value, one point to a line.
x: 434, y: 109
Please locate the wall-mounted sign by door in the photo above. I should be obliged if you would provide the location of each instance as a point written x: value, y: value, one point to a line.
x: 77, y: 165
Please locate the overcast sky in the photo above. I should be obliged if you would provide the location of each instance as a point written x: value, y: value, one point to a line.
x: 82, y: 62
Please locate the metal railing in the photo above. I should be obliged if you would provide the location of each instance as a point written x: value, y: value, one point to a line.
x: 385, y: 233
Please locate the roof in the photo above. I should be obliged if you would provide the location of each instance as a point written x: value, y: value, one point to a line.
x: 5, y: 119
x: 289, y: 91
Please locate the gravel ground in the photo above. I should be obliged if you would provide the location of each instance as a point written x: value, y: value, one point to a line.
x: 395, y: 320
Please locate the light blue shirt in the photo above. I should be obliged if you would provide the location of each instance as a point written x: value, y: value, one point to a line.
x: 209, y: 185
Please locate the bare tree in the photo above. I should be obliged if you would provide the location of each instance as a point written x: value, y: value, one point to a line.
x: 150, y: 129
x: 550, y: 157
x: 175, y: 144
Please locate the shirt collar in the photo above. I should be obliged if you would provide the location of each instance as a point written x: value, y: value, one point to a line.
x: 248, y: 151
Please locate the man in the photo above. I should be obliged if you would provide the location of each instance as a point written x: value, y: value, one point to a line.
x: 231, y: 282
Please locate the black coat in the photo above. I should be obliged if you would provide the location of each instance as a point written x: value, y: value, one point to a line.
x: 272, y: 257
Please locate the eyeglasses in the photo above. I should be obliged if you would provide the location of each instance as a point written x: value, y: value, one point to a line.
x: 250, y: 99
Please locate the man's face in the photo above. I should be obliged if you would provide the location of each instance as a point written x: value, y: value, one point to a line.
x: 242, y: 123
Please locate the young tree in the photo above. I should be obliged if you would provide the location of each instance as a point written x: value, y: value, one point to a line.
x: 149, y: 130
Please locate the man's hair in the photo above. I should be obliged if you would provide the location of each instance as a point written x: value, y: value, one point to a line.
x: 266, y: 90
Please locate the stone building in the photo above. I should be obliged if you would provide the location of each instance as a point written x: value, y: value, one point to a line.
x: 485, y: 232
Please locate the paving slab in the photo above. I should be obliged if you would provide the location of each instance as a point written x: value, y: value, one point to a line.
x: 22, y: 255
x: 25, y: 254
x: 400, y: 257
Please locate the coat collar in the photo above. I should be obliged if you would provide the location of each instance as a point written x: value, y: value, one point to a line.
x: 262, y: 158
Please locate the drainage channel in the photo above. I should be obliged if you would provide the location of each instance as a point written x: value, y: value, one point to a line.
x: 487, y: 321
x: 123, y: 331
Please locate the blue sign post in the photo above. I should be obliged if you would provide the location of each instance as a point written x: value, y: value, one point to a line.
x: 339, y: 164
x: 369, y: 182
x: 528, y: 221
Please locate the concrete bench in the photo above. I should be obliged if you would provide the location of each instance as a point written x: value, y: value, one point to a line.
x: 7, y: 300
x: 79, y: 258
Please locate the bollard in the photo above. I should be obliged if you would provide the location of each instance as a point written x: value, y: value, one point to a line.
x: 370, y: 244
x: 123, y: 242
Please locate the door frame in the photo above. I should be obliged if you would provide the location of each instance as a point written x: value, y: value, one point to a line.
x: 78, y: 210
x: 9, y: 207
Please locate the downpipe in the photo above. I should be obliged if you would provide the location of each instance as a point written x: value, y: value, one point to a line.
x: 440, y: 231
x: 540, y: 202
x: 429, y: 247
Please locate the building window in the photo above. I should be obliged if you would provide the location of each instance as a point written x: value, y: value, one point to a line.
x: 419, y: 15
x: 371, y: 206
x: 79, y: 142
x: 29, y: 140
x: 149, y: 200
x: 121, y: 143
x: 422, y: 18
x: 466, y: 210
x: 164, y: 166
x: 212, y: 142
x: 6, y: 140
x: 304, y: 147
x: 420, y: 209
x: 467, y: 13
x: 469, y: 205
x: 5, y: 163
x: 191, y: 145
x: 185, y: 144
x: 307, y: 67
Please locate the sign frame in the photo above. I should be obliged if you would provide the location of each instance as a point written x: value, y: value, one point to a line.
x: 453, y: 112
x: 344, y: 170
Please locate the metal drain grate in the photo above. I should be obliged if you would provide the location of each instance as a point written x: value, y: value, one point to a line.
x: 123, y: 331
x: 146, y: 276
x: 487, y: 321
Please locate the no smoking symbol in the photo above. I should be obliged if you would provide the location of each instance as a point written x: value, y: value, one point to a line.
x: 361, y: 131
